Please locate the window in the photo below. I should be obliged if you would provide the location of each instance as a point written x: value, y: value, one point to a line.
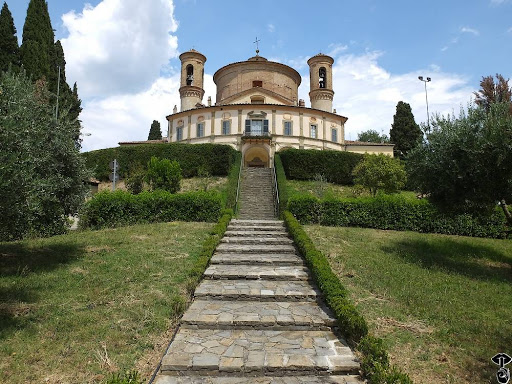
x: 200, y: 130
x: 322, y: 77
x: 226, y: 127
x: 288, y: 128
x: 256, y: 127
x: 334, y: 135
x: 257, y: 83
x: 179, y: 133
x: 190, y: 74
x: 313, y: 131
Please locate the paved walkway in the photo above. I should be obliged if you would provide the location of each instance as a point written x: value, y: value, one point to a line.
x: 256, y: 318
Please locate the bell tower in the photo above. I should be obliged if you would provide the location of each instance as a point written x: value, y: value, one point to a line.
x: 192, y: 79
x: 320, y: 74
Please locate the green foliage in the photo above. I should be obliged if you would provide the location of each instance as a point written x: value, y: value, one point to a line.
x: 465, y: 164
x: 350, y: 322
x: 281, y: 184
x: 135, y: 182
x: 132, y: 377
x: 9, y: 50
x: 396, y: 213
x: 404, y: 133
x: 229, y: 194
x: 163, y: 174
x: 491, y: 92
x: 336, y: 166
x: 38, y: 50
x: 154, y: 132
x: 372, y: 136
x: 112, y: 209
x: 42, y: 173
x: 380, y: 172
x: 214, y: 158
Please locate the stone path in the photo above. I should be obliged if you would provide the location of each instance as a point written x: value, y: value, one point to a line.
x: 256, y: 318
x: 256, y: 199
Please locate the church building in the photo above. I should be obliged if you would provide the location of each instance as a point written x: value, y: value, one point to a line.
x: 258, y: 112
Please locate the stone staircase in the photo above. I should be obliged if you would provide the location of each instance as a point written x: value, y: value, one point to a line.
x: 256, y: 199
x: 257, y: 318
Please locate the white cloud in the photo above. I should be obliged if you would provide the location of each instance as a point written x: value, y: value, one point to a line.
x: 119, y: 46
x: 271, y: 28
x: 499, y: 2
x: 509, y: 30
x: 472, y: 31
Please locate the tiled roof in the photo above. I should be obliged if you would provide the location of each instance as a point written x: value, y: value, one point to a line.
x: 350, y: 142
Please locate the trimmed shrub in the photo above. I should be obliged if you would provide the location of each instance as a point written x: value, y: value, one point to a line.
x: 113, y: 209
x: 281, y: 184
x: 229, y: 194
x: 335, y: 166
x: 164, y: 174
x: 215, y: 159
x: 397, y: 213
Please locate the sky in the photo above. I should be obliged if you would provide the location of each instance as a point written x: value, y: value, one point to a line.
x: 123, y: 54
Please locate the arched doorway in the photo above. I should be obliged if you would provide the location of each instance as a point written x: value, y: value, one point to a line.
x: 257, y: 156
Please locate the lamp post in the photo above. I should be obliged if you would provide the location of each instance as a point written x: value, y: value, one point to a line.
x: 426, y: 97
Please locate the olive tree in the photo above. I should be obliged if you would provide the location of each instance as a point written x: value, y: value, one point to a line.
x: 380, y: 172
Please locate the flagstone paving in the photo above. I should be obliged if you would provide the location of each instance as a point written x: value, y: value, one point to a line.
x: 256, y: 316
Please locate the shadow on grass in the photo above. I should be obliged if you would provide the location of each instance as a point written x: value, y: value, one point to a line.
x: 475, y: 261
x: 19, y: 290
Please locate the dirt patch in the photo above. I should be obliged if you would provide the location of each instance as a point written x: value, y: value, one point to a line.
x: 387, y: 325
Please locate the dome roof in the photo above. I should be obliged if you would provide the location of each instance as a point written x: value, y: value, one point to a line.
x: 257, y: 58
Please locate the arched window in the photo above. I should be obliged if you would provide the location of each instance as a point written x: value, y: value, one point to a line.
x: 190, y: 74
x: 322, y: 77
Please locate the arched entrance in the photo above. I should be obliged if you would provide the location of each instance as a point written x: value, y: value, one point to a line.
x: 257, y: 156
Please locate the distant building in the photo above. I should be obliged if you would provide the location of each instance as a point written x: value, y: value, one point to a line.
x: 257, y: 110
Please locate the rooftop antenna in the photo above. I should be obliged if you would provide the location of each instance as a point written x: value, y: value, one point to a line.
x: 257, y: 46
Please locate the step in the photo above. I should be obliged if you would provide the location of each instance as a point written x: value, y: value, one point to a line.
x: 252, y: 223
x: 257, y: 258
x: 256, y: 272
x: 217, y: 314
x: 255, y: 248
x: 257, y: 290
x: 232, y: 379
x: 288, y: 352
x: 250, y: 233
x: 268, y: 228
x: 279, y: 240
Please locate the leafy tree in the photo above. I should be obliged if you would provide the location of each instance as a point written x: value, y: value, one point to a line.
x: 465, y: 163
x: 404, y: 133
x: 38, y: 49
x: 155, y: 133
x: 493, y: 92
x: 9, y: 50
x: 163, y: 174
x: 380, y: 172
x: 372, y: 136
x: 42, y: 173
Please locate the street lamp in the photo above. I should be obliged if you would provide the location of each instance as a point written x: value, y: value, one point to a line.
x: 426, y: 97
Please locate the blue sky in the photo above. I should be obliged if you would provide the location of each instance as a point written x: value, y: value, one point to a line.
x: 123, y: 53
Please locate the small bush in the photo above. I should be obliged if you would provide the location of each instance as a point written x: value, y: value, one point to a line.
x: 112, y: 209
x: 135, y: 182
x: 304, y: 164
x: 164, y: 174
x: 380, y: 172
x: 229, y: 193
x: 396, y: 213
x: 132, y: 377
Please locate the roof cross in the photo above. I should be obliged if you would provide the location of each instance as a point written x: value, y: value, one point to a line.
x: 257, y: 46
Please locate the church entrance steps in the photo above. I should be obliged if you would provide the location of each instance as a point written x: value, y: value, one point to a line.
x: 257, y: 240
x: 256, y: 272
x: 256, y: 198
x: 231, y: 379
x: 257, y: 318
x: 256, y: 290
x: 214, y: 351
x: 252, y: 248
x: 216, y: 314
x: 257, y: 259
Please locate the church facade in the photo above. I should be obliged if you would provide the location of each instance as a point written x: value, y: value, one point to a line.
x: 257, y: 110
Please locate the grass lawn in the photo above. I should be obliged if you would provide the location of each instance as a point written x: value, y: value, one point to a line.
x: 192, y: 184
x: 323, y: 189
x: 443, y: 304
x: 76, y: 307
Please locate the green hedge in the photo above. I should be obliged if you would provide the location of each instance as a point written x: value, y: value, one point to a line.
x: 113, y: 209
x: 375, y: 362
x: 281, y: 184
x: 394, y: 212
x: 213, y: 158
x: 335, y: 166
x: 229, y: 194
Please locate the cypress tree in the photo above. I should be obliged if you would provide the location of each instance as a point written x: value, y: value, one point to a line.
x: 404, y: 133
x: 38, y: 49
x: 9, y: 50
x: 155, y: 133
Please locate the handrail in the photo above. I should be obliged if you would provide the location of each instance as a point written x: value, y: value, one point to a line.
x: 275, y: 190
x: 238, y: 185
